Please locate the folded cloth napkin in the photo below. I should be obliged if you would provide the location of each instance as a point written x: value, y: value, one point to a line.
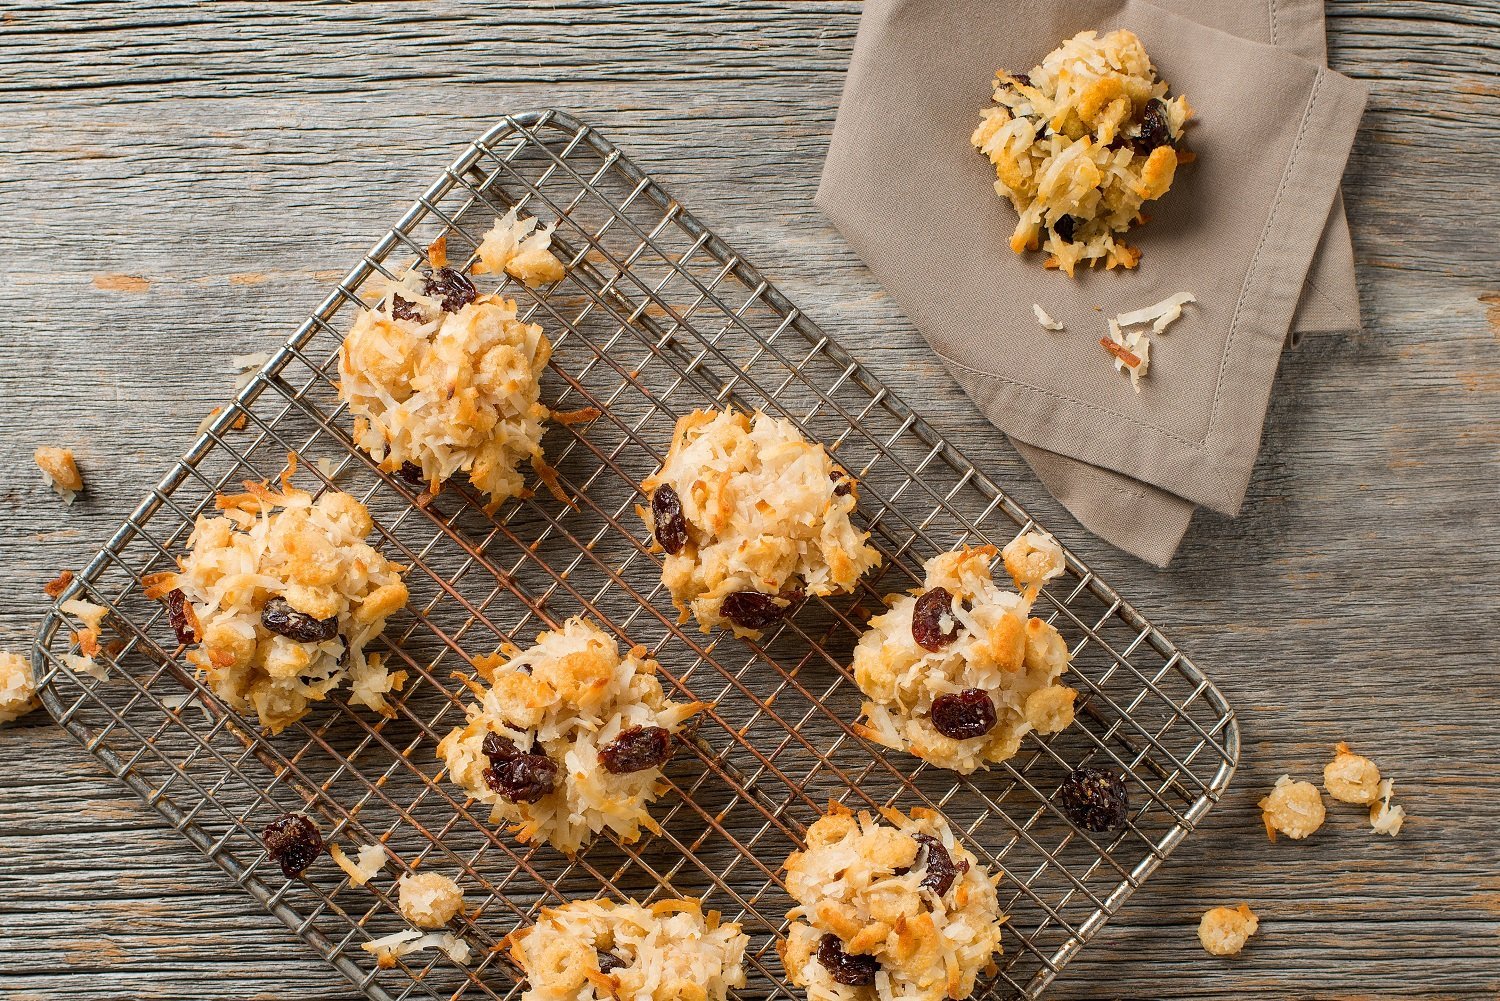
x: 1239, y: 229
x: 1145, y: 520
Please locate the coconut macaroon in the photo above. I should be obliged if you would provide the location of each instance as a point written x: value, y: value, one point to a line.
x: 955, y: 672
x: 897, y: 909
x: 589, y: 950
x: 568, y: 739
x: 752, y: 518
x: 444, y: 380
x: 17, y: 687
x: 1079, y: 144
x: 281, y: 593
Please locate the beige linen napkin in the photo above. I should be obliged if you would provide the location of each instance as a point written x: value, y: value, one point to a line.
x: 1239, y: 230
x: 1142, y: 519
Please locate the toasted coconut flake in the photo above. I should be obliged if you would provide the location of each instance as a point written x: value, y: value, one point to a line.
x: 511, y: 246
x: 86, y: 666
x: 392, y: 947
x: 368, y: 863
x: 60, y: 470
x: 1385, y: 817
x: 1132, y: 351
x: 1170, y: 307
x: 55, y: 587
x: 246, y: 366
x: 1044, y: 319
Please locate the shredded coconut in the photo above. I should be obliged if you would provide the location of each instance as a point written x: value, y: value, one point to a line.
x: 367, y: 863
x: 1292, y: 808
x: 765, y: 512
x: 1044, y: 319
x: 669, y: 951
x: 568, y: 698
x: 247, y: 366
x: 1079, y: 144
x: 311, y: 558
x: 389, y: 949
x: 511, y: 246
x: 17, y: 687
x: 1136, y: 344
x: 1167, y: 310
x: 998, y: 651
x: 429, y: 899
x: 1385, y: 817
x: 60, y: 471
x: 876, y: 889
x: 1223, y: 931
x: 85, y: 665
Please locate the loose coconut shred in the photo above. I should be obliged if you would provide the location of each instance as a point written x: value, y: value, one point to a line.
x: 60, y: 470
x: 1079, y: 144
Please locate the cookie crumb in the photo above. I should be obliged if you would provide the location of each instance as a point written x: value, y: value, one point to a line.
x: 1386, y: 818
x: 1292, y: 808
x: 1351, y: 778
x: 1223, y: 931
x: 60, y: 470
x: 429, y: 899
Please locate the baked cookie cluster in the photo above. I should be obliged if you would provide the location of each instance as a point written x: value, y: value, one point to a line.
x: 592, y: 950
x: 956, y: 672
x: 278, y: 596
x: 442, y: 380
x: 752, y: 518
x: 1079, y: 144
x: 568, y: 739
x: 888, y: 907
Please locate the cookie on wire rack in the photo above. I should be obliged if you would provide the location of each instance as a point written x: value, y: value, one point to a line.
x: 568, y: 739
x: 589, y: 950
x: 955, y: 672
x: 279, y: 595
x: 888, y: 907
x: 443, y: 380
x: 1079, y: 144
x: 753, y: 518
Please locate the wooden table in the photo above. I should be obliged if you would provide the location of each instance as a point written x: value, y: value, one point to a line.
x: 181, y: 183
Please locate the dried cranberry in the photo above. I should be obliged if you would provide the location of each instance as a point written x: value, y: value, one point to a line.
x: 968, y: 714
x: 293, y: 842
x: 666, y: 514
x: 281, y: 618
x: 941, y: 869
x: 1095, y: 799
x: 844, y: 485
x: 412, y: 473
x: 1063, y: 227
x: 927, y: 620
x: 453, y: 286
x: 635, y: 749
x: 609, y: 962
x: 522, y: 778
x: 853, y: 971
x: 1154, y: 128
x: 177, y: 616
x: 403, y: 310
x: 753, y: 610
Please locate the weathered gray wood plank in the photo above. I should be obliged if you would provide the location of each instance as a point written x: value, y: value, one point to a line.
x: 230, y: 161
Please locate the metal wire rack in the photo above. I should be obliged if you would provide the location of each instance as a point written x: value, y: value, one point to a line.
x: 656, y: 316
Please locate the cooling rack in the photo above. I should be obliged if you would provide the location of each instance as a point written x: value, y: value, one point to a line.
x: 656, y: 317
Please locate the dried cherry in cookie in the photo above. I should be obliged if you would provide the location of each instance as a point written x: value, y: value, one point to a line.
x: 635, y: 749
x: 1155, y: 129
x: 965, y: 715
x: 281, y: 618
x: 753, y: 610
x: 1095, y: 799
x: 933, y: 624
x: 453, y: 287
x: 177, y: 616
x: 941, y: 869
x: 852, y: 971
x: 522, y: 778
x: 666, y: 515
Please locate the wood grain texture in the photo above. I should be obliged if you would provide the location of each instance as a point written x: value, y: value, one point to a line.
x: 180, y: 183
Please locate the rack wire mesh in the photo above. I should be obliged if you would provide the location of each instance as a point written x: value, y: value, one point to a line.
x: 656, y: 316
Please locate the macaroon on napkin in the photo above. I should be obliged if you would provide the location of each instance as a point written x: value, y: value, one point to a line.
x: 1253, y: 228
